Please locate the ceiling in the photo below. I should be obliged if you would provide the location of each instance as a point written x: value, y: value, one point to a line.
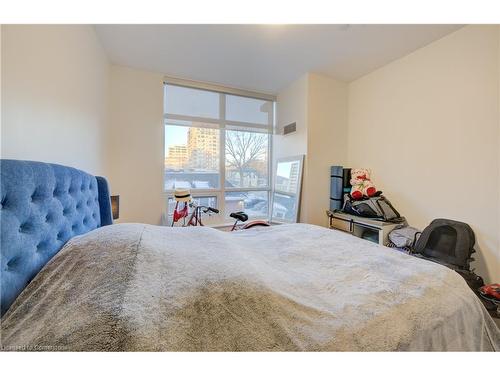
x: 263, y: 58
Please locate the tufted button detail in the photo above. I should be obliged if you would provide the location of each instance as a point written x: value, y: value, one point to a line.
x: 58, y: 191
x: 12, y: 262
x: 23, y: 228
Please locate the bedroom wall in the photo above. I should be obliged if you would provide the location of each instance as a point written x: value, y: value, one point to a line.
x: 326, y: 141
x: 135, y: 150
x: 428, y: 126
x: 318, y: 104
x: 291, y: 104
x: 54, y: 95
x: 292, y: 107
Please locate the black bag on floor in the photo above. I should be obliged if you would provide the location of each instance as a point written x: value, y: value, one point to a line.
x: 451, y: 243
x: 448, y: 242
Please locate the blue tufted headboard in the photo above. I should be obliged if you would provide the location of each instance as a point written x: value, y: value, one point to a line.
x: 42, y: 207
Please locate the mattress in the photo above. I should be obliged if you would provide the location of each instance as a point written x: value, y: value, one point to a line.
x: 297, y: 287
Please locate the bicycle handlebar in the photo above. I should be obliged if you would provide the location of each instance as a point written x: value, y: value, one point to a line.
x: 206, y: 209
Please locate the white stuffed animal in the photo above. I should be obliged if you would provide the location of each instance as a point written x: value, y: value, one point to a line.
x: 361, y: 183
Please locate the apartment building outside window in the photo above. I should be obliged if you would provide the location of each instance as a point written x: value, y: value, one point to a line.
x: 218, y: 144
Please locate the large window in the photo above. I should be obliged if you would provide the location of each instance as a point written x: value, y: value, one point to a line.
x: 218, y: 145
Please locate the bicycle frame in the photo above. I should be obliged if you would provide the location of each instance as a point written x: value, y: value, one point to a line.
x: 195, y: 217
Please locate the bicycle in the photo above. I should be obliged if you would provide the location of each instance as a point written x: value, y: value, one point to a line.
x: 195, y: 218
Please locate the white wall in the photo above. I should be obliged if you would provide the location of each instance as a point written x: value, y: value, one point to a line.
x: 136, y: 144
x: 428, y: 127
x: 54, y: 95
x: 292, y: 107
x: 326, y: 141
x: 318, y: 104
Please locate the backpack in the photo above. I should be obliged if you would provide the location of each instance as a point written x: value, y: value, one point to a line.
x: 448, y: 242
x: 451, y: 243
x: 376, y: 207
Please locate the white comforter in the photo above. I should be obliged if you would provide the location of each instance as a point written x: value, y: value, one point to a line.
x: 286, y: 288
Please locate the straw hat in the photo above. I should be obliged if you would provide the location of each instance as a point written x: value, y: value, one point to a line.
x: 182, y: 195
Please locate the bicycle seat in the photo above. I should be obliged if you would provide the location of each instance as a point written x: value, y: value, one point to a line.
x: 240, y: 215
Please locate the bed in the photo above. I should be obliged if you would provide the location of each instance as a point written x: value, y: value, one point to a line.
x: 73, y: 282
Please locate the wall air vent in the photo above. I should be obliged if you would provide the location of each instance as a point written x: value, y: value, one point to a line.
x: 290, y: 128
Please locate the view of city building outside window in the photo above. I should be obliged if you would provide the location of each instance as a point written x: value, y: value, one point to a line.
x: 285, y: 190
x: 218, y: 145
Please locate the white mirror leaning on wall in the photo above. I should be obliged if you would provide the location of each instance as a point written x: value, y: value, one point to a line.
x: 287, y: 187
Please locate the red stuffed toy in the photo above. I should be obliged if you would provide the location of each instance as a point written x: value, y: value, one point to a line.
x: 361, y: 183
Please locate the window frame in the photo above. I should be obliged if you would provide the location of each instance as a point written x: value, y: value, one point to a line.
x: 223, y: 124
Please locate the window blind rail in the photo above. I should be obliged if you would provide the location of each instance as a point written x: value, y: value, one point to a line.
x: 217, y: 88
x: 170, y: 116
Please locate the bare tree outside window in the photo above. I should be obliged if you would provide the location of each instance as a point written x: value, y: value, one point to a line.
x: 246, y: 156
